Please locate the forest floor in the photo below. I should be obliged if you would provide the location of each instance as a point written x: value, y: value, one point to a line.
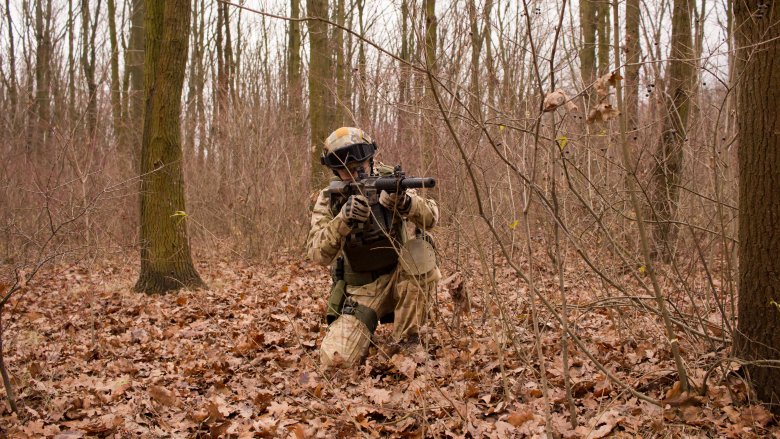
x: 91, y: 358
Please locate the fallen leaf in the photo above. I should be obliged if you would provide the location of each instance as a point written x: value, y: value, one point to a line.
x: 519, y: 418
x: 757, y: 414
x: 163, y: 396
x: 379, y: 396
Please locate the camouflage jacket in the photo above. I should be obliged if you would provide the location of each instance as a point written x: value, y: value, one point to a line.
x: 328, y: 232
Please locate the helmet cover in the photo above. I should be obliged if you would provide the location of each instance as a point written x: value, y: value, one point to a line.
x: 347, y: 144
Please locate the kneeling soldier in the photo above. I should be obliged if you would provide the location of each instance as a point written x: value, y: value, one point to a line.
x: 379, y: 274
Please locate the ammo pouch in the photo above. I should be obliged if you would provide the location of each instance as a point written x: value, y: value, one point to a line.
x: 338, y: 295
x: 339, y: 303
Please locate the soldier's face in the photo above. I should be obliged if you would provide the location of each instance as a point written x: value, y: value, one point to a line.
x: 351, y: 171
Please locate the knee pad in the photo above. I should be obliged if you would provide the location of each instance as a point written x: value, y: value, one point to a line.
x: 348, y: 337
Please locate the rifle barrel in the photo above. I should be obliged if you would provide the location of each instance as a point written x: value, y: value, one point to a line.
x: 393, y: 184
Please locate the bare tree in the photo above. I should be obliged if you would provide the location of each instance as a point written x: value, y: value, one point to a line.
x: 116, y: 88
x: 320, y: 101
x: 633, y: 54
x: 166, y: 263
x: 134, y: 68
x: 39, y: 129
x: 667, y: 174
x: 88, y: 30
x: 294, y: 85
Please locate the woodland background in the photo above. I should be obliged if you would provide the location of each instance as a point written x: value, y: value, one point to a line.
x: 586, y: 157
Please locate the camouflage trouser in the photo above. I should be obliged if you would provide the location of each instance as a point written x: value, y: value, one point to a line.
x: 404, y: 294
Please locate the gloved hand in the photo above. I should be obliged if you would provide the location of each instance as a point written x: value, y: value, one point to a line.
x: 356, y: 210
x: 401, y: 203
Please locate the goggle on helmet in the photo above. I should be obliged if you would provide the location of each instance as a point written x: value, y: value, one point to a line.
x: 357, y: 152
x: 347, y: 145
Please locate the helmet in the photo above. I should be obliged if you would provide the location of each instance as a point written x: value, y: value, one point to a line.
x: 346, y: 145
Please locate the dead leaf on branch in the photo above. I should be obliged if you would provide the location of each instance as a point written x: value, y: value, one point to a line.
x: 556, y: 99
x: 602, y: 113
x: 603, y: 84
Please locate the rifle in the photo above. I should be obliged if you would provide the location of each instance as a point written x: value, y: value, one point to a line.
x: 372, y: 185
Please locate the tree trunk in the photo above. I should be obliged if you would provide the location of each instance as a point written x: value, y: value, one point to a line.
x: 342, y: 104
x: 134, y: 64
x: 603, y: 32
x: 319, y: 79
x: 669, y: 158
x: 294, y: 86
x: 476, y: 50
x: 757, y: 28
x: 588, y: 49
x: 12, y: 91
x: 491, y: 71
x: 166, y: 263
x: 40, y: 127
x: 363, y: 97
x: 431, y: 30
x: 633, y: 53
x: 191, y: 117
x: 71, y: 64
x: 404, y: 73
x: 200, y: 84
x: 116, y: 102
x: 88, y: 63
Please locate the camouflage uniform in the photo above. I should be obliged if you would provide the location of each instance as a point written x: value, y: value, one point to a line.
x: 398, y: 291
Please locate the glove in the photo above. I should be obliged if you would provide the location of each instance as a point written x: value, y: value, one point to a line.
x: 401, y: 203
x: 356, y: 210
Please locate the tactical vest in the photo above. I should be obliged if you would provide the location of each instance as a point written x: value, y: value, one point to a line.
x: 372, y: 248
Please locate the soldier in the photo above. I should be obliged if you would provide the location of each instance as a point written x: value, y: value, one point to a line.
x: 378, y: 285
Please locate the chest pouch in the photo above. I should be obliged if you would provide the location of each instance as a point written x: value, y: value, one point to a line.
x: 373, y: 245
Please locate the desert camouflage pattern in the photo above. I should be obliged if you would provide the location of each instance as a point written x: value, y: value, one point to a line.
x: 345, y: 136
x: 400, y: 292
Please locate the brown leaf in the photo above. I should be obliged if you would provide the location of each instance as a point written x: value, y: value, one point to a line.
x: 199, y: 415
x: 603, y: 83
x: 70, y: 434
x: 298, y: 431
x: 214, y: 415
x: 379, y: 396
x: 757, y: 414
x: 580, y: 388
x: 519, y: 418
x: 262, y: 400
x: 602, y: 113
x: 219, y: 430
x: 554, y: 100
x: 603, y: 388
x: 405, y: 365
x: 279, y: 410
x: 163, y: 396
